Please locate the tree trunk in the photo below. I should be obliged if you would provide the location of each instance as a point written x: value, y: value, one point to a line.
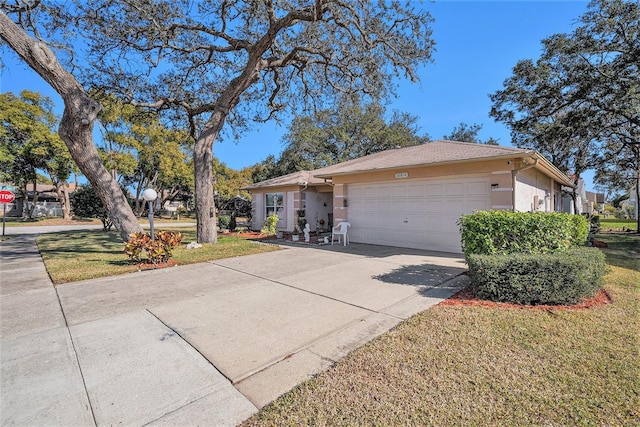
x: 79, y: 108
x: 76, y: 125
x: 62, y: 191
x: 34, y: 200
x: 207, y: 231
x: 66, y: 210
x: 25, y: 201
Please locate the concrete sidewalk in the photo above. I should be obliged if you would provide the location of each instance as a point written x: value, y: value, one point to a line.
x: 204, y: 344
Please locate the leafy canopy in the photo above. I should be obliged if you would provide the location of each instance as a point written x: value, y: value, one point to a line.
x: 347, y: 131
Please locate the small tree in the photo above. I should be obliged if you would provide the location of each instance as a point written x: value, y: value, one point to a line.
x: 87, y: 204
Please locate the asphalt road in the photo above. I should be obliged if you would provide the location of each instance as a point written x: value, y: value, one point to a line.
x: 35, y: 229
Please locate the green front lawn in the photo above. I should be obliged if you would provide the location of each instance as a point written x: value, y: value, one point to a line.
x: 464, y: 365
x: 79, y: 255
x: 614, y: 224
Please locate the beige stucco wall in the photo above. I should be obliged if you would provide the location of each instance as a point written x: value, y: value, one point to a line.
x: 533, y: 191
x: 530, y: 183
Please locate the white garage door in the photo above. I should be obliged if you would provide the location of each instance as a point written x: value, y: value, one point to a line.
x: 415, y: 214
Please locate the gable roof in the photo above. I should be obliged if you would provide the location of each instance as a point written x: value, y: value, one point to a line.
x: 295, y: 178
x: 431, y: 153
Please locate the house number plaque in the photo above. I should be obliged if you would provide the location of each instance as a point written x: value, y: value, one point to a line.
x: 400, y: 175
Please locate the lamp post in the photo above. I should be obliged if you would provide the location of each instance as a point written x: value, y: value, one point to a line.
x: 150, y: 196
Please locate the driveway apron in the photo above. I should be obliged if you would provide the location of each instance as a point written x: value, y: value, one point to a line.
x: 208, y: 343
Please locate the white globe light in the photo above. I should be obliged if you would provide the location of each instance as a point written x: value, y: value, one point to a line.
x: 149, y: 195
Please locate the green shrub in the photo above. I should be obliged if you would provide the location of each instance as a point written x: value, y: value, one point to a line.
x: 158, y: 251
x: 269, y: 226
x: 502, y: 232
x: 536, y: 279
x: 223, y: 222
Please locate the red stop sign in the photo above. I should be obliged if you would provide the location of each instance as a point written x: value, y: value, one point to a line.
x: 6, y: 196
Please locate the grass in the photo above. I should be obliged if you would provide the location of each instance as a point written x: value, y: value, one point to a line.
x: 614, y: 224
x: 79, y: 255
x: 623, y: 251
x: 463, y: 365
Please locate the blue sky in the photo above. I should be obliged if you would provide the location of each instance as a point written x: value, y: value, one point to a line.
x: 477, y: 45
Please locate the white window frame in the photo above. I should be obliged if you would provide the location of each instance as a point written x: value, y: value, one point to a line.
x: 275, y: 205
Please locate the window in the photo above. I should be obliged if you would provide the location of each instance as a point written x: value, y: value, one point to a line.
x: 274, y: 204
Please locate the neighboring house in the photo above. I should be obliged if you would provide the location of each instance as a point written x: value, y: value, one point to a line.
x: 593, y: 203
x: 47, y: 204
x: 413, y: 197
x: 631, y: 204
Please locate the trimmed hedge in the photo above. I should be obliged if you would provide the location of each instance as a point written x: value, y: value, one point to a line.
x: 538, y: 279
x: 502, y: 232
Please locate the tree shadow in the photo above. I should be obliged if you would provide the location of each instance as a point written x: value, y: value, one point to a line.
x: 423, y: 275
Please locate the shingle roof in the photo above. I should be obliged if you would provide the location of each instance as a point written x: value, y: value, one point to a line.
x: 441, y: 151
x: 431, y: 153
x: 295, y: 178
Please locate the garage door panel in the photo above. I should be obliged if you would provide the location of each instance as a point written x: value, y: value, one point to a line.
x: 434, y: 189
x: 477, y: 188
x: 455, y: 205
x: 476, y: 204
x: 455, y: 189
x: 417, y: 221
x: 415, y: 205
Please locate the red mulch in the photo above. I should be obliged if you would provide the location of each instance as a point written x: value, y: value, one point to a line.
x: 466, y: 297
x: 151, y: 266
x: 600, y: 244
x: 248, y: 235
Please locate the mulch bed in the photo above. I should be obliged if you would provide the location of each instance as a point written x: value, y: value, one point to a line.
x: 150, y: 266
x: 466, y: 297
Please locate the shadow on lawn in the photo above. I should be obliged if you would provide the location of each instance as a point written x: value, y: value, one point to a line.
x: 75, y: 242
x: 623, y: 250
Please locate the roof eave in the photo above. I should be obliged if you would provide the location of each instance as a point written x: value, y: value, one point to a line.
x: 448, y: 162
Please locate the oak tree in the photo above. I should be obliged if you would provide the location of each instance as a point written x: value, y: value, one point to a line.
x: 219, y: 65
x: 578, y: 103
x: 347, y: 131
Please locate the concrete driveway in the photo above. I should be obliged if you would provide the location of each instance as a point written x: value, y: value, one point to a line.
x: 204, y: 344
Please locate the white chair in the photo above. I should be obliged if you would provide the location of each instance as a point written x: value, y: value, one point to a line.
x: 342, y: 229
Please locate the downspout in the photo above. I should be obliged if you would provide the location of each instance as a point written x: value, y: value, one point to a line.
x: 513, y: 181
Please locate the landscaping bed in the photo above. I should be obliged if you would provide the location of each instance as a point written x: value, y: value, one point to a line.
x: 467, y: 297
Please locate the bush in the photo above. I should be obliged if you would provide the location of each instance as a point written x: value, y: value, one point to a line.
x: 537, y: 279
x: 223, y: 222
x: 86, y: 203
x: 158, y: 251
x: 502, y: 232
x: 269, y: 226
